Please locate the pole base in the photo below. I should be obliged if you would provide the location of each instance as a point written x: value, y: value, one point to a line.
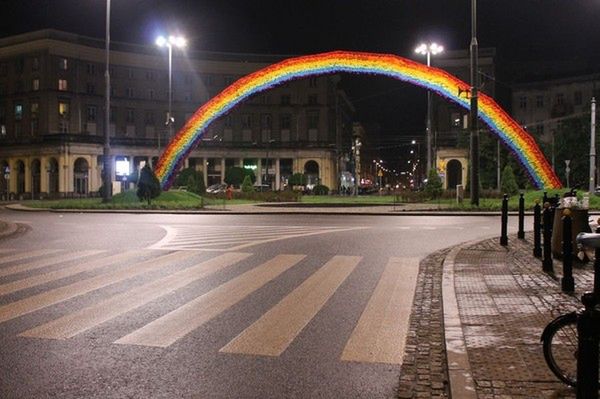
x: 567, y: 285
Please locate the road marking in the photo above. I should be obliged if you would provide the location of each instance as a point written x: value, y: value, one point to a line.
x: 40, y: 301
x: 28, y: 254
x: 75, y: 323
x: 193, y: 238
x: 275, y: 330
x: 39, y: 279
x: 380, y: 335
x: 47, y: 261
x: 185, y: 319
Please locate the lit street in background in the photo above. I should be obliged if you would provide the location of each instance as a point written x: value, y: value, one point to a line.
x: 116, y: 305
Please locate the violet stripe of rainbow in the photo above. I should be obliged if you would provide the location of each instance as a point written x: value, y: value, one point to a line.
x: 434, y: 79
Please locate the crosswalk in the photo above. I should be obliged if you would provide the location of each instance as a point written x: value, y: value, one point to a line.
x: 31, y: 281
x: 234, y: 238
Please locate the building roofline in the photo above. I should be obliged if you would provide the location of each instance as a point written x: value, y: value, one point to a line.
x: 558, y: 81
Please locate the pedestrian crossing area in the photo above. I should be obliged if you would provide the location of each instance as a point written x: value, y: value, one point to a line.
x: 234, y: 238
x: 51, y: 281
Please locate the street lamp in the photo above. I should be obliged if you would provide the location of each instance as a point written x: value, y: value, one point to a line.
x: 429, y: 50
x: 107, y: 178
x: 179, y: 42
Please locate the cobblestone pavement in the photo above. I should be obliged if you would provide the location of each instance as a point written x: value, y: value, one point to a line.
x: 505, y: 301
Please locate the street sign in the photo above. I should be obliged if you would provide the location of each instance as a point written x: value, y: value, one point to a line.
x: 380, y: 173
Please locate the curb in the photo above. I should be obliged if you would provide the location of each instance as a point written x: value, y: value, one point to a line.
x: 459, y: 369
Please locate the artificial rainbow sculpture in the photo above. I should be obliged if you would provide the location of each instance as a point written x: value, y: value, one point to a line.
x: 513, y: 136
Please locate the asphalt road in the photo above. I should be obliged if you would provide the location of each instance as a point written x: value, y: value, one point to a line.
x: 212, y: 306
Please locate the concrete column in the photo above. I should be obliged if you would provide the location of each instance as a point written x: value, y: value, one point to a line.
x: 222, y: 170
x: 277, y: 175
x: 27, y: 175
x: 12, y: 183
x: 205, y: 171
x: 93, y: 174
x: 259, y: 171
x: 44, y: 176
x: 186, y: 163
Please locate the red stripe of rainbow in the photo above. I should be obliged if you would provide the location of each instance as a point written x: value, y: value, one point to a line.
x: 512, y: 135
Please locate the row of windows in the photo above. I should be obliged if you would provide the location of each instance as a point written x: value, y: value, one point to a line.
x: 559, y: 99
x: 19, y: 64
x: 246, y: 120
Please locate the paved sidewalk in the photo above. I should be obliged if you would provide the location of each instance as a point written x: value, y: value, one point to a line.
x: 504, y: 302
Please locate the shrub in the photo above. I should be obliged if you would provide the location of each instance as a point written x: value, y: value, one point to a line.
x: 433, y: 187
x: 235, y: 175
x: 247, y: 186
x: 508, y: 183
x: 320, y: 189
x: 298, y: 179
x: 148, y: 185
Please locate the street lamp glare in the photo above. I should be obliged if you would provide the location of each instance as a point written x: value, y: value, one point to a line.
x: 161, y: 41
x: 421, y: 49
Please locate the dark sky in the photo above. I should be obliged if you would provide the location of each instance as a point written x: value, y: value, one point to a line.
x: 521, y: 30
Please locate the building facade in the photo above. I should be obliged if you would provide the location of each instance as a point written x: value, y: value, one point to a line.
x: 52, y: 116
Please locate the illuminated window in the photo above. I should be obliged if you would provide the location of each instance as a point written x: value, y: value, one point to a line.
x: 18, y: 112
x: 35, y: 85
x: 62, y: 84
x: 63, y: 64
x: 63, y: 109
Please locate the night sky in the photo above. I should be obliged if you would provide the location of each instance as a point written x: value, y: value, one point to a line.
x: 521, y: 30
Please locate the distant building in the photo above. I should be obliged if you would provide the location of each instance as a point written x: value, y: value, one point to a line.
x: 541, y: 106
x: 52, y: 116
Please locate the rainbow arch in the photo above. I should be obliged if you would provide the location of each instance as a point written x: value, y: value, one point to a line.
x: 519, y: 142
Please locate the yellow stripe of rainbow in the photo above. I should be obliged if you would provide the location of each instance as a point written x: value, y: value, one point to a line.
x: 512, y: 135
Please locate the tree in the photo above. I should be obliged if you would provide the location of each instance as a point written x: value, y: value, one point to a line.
x: 148, y: 185
x: 572, y: 142
x: 433, y: 187
x: 235, y: 175
x: 247, y: 186
x: 508, y: 183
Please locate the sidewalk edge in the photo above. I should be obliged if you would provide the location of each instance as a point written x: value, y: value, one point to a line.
x: 459, y: 369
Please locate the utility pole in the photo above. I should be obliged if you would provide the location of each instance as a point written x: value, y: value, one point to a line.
x: 593, y: 148
x: 474, y: 183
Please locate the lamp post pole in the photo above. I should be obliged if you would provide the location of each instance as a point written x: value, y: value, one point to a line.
x: 474, y: 183
x: 107, y: 183
x: 593, y: 148
x: 428, y: 50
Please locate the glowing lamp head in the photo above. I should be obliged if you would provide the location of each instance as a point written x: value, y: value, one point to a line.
x: 177, y: 41
x: 161, y: 41
x: 421, y: 49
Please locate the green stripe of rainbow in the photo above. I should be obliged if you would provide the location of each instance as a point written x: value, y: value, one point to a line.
x: 512, y: 135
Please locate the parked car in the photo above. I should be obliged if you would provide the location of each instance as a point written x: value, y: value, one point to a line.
x: 262, y: 187
x: 216, y: 188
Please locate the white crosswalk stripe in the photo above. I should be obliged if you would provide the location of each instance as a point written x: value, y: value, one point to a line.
x: 378, y: 335
x: 234, y: 238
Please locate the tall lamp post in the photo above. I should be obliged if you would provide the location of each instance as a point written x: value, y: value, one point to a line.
x: 107, y: 181
x: 429, y: 50
x: 474, y: 183
x: 179, y: 42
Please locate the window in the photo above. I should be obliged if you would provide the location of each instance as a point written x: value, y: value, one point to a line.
x: 35, y: 110
x: 560, y: 99
x: 63, y: 109
x: 312, y: 99
x: 19, y: 65
x: 35, y: 64
x: 91, y: 69
x: 113, y: 114
x: 266, y: 121
x: 35, y: 115
x: 63, y: 64
x: 246, y: 121
x: 149, y: 117
x: 539, y: 101
x: 149, y: 75
x: 90, y: 88
x: 285, y: 99
x: 130, y: 115
x: 91, y: 113
x: 18, y: 111
x: 130, y: 73
x: 577, y: 98
x: 35, y: 84
x: 151, y: 94
x: 523, y: 102
x: 285, y: 121
x: 228, y: 121
x: 313, y: 119
x: 539, y: 129
x: 129, y: 92
x: 62, y: 84
x: 312, y: 82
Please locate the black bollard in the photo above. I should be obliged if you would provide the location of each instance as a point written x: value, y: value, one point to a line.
x: 537, y: 226
x: 567, y: 282
x: 587, y: 349
x: 547, y: 217
x: 545, y: 199
x: 597, y: 270
x: 521, y: 232
x: 504, y: 222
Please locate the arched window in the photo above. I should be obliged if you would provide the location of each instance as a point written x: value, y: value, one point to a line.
x: 311, y: 170
x: 454, y: 173
x: 35, y: 178
x: 80, y: 176
x: 20, y: 167
x: 52, y: 169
